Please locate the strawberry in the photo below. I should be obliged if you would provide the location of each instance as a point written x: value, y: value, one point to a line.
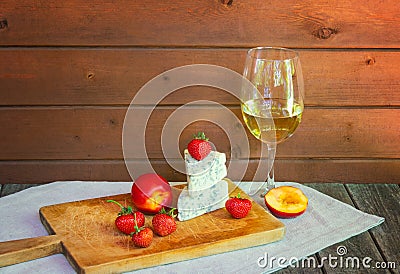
x: 125, y: 222
x: 164, y: 223
x: 199, y: 147
x: 142, y: 237
x: 238, y: 207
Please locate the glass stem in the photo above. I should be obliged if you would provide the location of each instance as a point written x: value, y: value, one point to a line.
x: 270, y: 183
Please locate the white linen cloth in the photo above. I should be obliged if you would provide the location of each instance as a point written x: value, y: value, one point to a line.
x: 326, y: 221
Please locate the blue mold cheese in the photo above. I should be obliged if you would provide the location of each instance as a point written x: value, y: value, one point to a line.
x: 204, y: 174
x: 201, y: 202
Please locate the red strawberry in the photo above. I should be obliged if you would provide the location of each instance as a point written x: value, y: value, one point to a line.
x: 199, y: 147
x: 164, y: 222
x: 238, y: 207
x: 125, y: 222
x: 142, y: 237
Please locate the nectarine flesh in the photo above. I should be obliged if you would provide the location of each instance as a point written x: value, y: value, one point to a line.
x: 286, y: 201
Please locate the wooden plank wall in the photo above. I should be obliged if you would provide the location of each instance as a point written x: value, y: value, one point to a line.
x: 69, y: 70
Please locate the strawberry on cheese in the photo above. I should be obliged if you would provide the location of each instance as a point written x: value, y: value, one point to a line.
x: 199, y: 147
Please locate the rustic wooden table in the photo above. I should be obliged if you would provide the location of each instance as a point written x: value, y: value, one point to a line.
x: 381, y: 244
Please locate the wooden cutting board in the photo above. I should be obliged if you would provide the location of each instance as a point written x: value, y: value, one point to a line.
x: 85, y: 233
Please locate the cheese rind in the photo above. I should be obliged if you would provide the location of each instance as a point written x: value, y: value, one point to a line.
x: 200, y: 202
x: 205, y: 173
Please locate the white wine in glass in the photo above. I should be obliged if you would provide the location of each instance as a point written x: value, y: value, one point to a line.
x: 273, y: 108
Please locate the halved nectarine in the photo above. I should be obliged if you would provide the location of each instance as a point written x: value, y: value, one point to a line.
x: 286, y: 201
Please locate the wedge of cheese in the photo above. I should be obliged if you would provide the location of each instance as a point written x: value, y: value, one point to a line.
x: 203, y: 174
x: 203, y: 201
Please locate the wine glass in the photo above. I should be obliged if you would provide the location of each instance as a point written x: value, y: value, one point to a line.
x: 273, y: 107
